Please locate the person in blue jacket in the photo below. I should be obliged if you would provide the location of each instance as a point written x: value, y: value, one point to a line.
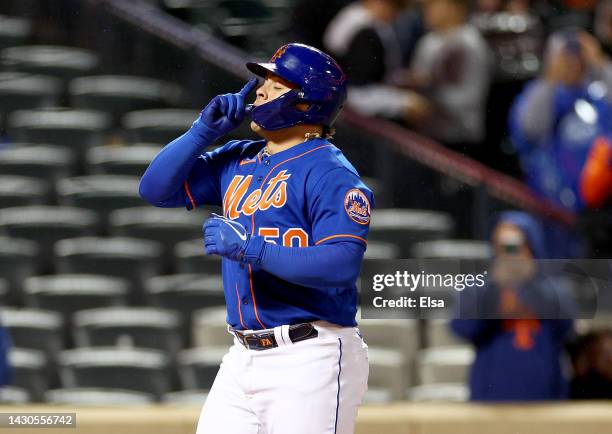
x: 518, y: 322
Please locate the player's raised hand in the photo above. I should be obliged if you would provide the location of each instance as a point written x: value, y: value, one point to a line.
x: 226, y: 112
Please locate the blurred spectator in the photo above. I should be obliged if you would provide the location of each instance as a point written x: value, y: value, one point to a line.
x: 592, y: 361
x: 558, y: 117
x: 517, y: 321
x: 5, y: 369
x: 451, y: 69
x: 363, y: 39
x: 409, y: 27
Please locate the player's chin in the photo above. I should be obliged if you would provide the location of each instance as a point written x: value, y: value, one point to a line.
x: 256, y: 128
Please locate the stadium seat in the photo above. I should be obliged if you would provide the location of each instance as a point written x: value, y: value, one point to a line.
x: 457, y: 392
x: 439, y: 334
x: 158, y: 125
x: 405, y: 227
x: 189, y: 257
x: 118, y: 368
x: 210, y: 328
x: 452, y: 249
x: 58, y: 61
x: 18, y: 260
x: 14, y: 31
x: 375, y: 395
x: 23, y: 91
x: 75, y: 129
x: 186, y: 397
x: 138, y: 327
x: 84, y: 396
x: 389, y: 370
x: 14, y: 395
x: 46, y: 162
x: 121, y: 160
x: 377, y: 253
x: 185, y: 292
x: 393, y: 334
x: 68, y: 293
x: 21, y: 191
x: 134, y: 259
x: 119, y: 94
x: 100, y: 193
x: 444, y: 364
x: 168, y: 226
x: 29, y: 371
x: 47, y: 225
x: 198, y: 367
x: 36, y: 330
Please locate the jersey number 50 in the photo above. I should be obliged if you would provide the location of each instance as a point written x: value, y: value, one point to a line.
x: 293, y: 237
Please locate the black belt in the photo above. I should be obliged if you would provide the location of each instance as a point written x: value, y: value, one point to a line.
x: 265, y: 340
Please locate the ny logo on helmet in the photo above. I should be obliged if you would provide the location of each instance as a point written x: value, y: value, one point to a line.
x: 279, y: 53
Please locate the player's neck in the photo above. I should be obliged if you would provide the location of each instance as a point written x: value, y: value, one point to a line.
x: 278, y: 141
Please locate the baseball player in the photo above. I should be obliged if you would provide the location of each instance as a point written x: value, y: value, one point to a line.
x: 292, y: 238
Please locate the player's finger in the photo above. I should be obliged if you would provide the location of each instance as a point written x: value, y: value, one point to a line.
x: 248, y: 87
x: 231, y: 106
x: 239, y: 108
x: 222, y: 105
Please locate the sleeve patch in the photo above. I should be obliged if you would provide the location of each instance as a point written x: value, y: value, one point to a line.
x: 357, y: 206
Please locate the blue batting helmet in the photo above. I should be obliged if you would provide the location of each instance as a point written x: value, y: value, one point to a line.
x: 321, y: 84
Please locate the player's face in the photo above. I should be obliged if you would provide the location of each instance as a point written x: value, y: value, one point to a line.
x: 272, y: 87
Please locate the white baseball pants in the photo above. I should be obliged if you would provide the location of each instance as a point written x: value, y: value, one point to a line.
x: 308, y: 387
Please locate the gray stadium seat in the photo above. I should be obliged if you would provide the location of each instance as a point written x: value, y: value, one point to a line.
x: 22, y: 191
x: 377, y: 252
x: 376, y: 395
x: 75, y: 129
x: 18, y: 260
x: 133, y: 259
x: 456, y: 392
x: 189, y: 257
x: 10, y: 395
x: 210, y: 328
x: 140, y: 327
x: 168, y: 226
x: 439, y: 334
x: 35, y: 329
x: 392, y: 334
x: 62, y: 62
x: 47, y: 162
x: 389, y: 370
x: 23, y: 91
x: 405, y: 227
x: 198, y: 367
x: 47, y: 225
x: 14, y: 30
x: 121, y: 160
x: 68, y: 293
x: 30, y: 371
x: 452, y: 249
x: 444, y: 364
x: 84, y: 396
x: 100, y: 193
x: 119, y: 94
x: 186, y: 292
x: 118, y: 368
x: 186, y: 397
x: 158, y: 125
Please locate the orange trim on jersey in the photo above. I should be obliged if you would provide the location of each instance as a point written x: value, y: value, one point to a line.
x: 272, y: 170
x: 239, y: 309
x: 243, y: 162
x: 193, y: 204
x: 341, y: 236
x: 253, y: 296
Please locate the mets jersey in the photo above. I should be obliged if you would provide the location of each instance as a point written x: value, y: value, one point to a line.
x: 304, y: 196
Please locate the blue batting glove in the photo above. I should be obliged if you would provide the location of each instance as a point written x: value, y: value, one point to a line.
x: 224, y: 113
x: 228, y: 238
